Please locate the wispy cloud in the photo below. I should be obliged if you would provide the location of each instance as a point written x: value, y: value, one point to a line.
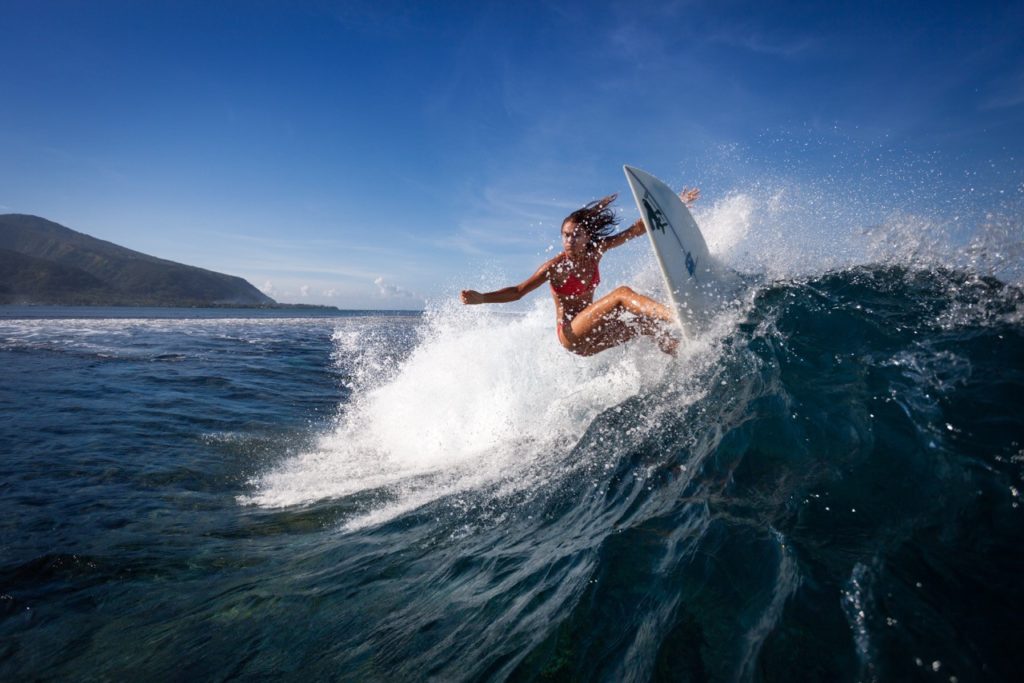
x: 631, y: 41
x: 1008, y: 92
x: 503, y: 218
x: 305, y: 244
x: 763, y: 43
x: 386, y: 20
x: 487, y: 240
x: 392, y: 291
x: 301, y: 269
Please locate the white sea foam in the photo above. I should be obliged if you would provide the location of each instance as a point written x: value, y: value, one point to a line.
x: 786, y: 229
x: 486, y: 395
x: 486, y: 398
x: 483, y: 396
x: 726, y: 223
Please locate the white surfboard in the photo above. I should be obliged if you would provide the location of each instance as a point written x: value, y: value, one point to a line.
x: 690, y: 277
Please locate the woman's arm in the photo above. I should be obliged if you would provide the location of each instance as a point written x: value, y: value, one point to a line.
x: 513, y: 293
x: 621, y: 238
x: 689, y: 196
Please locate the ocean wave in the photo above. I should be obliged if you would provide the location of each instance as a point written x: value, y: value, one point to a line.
x: 804, y: 480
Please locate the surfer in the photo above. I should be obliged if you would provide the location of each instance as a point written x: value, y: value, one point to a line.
x: 584, y: 326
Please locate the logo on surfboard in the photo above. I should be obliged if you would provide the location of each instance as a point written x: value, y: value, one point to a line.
x: 655, y: 218
x: 691, y: 265
x: 657, y: 221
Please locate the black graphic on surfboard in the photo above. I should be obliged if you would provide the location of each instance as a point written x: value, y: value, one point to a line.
x: 656, y: 219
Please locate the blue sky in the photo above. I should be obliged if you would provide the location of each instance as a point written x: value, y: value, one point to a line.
x: 374, y: 154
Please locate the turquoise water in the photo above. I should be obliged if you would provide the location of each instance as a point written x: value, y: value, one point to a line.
x: 825, y: 487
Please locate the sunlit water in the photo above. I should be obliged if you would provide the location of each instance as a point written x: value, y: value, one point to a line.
x: 824, y: 486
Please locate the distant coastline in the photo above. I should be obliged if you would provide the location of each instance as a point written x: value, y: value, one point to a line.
x: 51, y: 311
x: 45, y: 263
x: 272, y: 306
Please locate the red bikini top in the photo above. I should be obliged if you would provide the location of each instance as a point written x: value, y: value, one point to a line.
x: 574, y: 287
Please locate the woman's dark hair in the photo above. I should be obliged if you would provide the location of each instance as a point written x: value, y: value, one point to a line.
x: 596, y: 218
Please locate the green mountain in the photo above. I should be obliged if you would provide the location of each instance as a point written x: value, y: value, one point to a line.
x: 42, y: 262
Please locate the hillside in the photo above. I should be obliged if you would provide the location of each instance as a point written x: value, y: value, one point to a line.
x: 42, y: 262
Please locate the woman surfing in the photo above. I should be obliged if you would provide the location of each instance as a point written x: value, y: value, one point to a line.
x: 584, y: 326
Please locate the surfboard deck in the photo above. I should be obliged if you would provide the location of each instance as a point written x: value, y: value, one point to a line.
x: 690, y: 278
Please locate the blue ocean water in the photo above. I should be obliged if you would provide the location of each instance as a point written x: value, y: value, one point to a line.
x: 825, y: 487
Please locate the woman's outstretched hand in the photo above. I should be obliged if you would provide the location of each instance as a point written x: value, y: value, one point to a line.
x: 470, y: 296
x: 689, y: 195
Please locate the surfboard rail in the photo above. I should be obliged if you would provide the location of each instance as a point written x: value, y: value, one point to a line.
x: 691, y: 281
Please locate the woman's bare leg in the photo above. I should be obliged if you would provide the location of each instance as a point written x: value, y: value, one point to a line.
x: 599, y: 326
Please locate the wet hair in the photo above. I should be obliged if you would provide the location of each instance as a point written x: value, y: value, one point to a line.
x: 596, y: 218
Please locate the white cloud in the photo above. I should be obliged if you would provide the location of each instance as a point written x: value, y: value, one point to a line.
x: 329, y: 293
x: 267, y: 288
x: 391, y: 291
x: 304, y: 291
